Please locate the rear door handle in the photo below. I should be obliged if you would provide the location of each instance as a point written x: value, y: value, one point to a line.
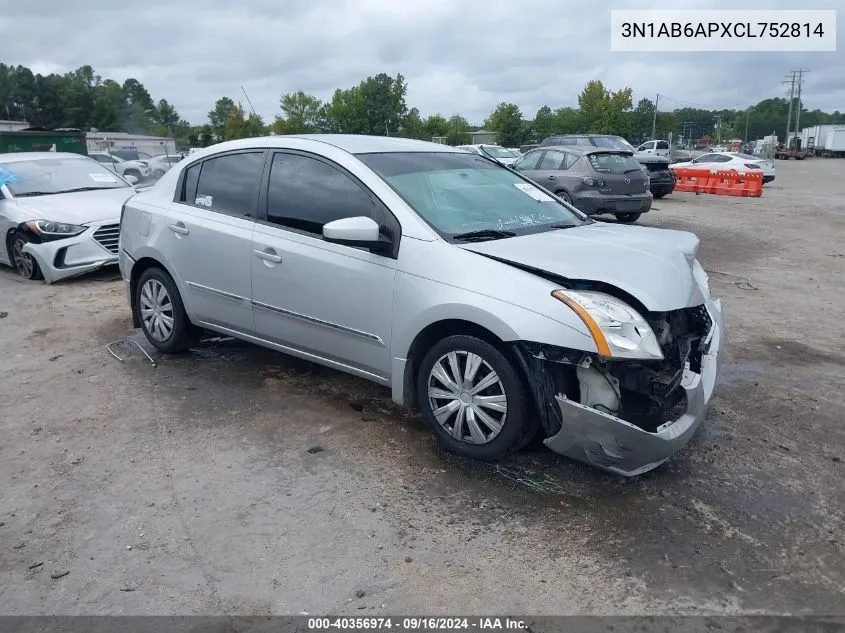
x: 552, y: 177
x: 270, y: 257
x: 179, y: 228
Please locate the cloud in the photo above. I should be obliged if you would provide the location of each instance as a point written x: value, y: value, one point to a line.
x: 458, y: 57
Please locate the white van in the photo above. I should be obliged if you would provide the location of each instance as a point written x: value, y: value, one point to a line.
x: 657, y: 148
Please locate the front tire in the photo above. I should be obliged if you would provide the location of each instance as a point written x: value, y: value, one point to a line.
x: 133, y: 172
x: 474, y: 399
x: 25, y: 263
x: 161, y: 312
x: 627, y: 218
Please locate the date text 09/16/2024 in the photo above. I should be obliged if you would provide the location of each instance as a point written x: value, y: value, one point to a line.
x: 415, y: 623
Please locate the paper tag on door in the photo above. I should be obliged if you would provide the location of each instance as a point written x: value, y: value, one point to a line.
x: 532, y: 191
x: 204, y: 201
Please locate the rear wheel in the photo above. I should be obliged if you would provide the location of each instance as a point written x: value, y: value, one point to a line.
x: 564, y: 195
x: 133, y: 172
x: 161, y: 312
x: 474, y: 399
x: 628, y: 218
x: 25, y: 263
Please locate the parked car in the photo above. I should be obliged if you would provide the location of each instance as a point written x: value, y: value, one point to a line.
x: 496, y: 308
x: 662, y: 180
x: 731, y: 161
x: 655, y: 147
x: 130, y: 154
x: 59, y: 214
x: 496, y: 152
x: 158, y: 165
x: 594, y: 180
x: 135, y: 168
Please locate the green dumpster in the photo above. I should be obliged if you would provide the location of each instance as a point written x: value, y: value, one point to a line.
x: 44, y: 141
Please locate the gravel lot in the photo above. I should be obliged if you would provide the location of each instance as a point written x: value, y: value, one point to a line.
x: 189, y: 487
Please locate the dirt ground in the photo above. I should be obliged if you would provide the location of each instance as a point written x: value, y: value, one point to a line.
x: 189, y: 487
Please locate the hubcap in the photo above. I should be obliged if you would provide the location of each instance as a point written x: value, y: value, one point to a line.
x: 23, y: 261
x: 156, y: 310
x: 467, y: 397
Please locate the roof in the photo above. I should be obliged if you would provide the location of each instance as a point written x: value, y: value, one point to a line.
x: 16, y: 157
x: 352, y: 143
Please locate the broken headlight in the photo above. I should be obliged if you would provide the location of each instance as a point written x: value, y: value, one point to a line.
x: 617, y: 329
x: 54, y: 230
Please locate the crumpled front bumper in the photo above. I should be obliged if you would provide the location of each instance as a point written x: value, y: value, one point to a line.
x: 72, y: 256
x: 610, y: 443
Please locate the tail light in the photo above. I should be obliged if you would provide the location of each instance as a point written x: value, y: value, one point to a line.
x: 593, y: 182
x: 752, y: 166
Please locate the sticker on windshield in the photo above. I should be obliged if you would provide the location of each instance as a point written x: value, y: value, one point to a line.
x: 7, y: 177
x: 204, y: 201
x: 532, y: 191
x: 518, y: 221
x: 102, y: 178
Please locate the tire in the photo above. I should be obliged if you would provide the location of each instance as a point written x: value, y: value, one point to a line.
x: 660, y: 193
x: 564, y: 195
x: 484, y: 441
x: 158, y: 173
x: 133, y: 172
x: 173, y: 332
x: 24, y: 263
x: 627, y: 218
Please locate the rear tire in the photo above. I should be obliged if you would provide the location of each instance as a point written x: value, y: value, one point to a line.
x: 486, y: 425
x: 24, y: 263
x: 162, y: 314
x: 627, y: 218
x: 564, y: 195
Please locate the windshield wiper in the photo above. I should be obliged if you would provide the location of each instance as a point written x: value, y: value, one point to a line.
x: 485, y: 234
x: 84, y: 189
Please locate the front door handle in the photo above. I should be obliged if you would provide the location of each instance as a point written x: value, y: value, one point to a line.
x: 179, y: 228
x: 270, y: 257
x: 552, y: 177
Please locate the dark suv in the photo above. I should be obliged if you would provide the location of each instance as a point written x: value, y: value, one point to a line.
x: 662, y: 178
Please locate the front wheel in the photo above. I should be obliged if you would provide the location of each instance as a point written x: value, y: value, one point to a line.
x: 25, y: 263
x: 133, y: 172
x: 628, y: 218
x: 474, y: 399
x: 161, y: 312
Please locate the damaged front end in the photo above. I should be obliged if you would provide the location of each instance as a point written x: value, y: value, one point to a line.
x: 628, y: 416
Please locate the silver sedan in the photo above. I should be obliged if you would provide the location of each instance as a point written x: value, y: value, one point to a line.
x: 473, y: 294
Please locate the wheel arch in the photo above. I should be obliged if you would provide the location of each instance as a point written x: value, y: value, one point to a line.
x: 144, y: 263
x: 436, y: 331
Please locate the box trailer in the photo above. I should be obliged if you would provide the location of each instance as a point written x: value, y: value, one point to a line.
x: 834, y: 142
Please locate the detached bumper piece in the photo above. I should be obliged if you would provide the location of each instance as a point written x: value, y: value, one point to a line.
x: 602, y: 438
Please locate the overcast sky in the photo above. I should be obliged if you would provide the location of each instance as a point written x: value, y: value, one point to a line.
x: 459, y: 56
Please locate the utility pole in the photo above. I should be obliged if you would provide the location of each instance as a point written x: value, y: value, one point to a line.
x: 654, y: 118
x: 747, y: 111
x: 718, y: 129
x: 791, y: 83
x: 798, y: 111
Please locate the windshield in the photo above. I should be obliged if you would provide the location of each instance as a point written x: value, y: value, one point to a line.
x: 459, y: 193
x: 608, y: 163
x: 496, y: 152
x: 45, y: 176
x: 612, y: 142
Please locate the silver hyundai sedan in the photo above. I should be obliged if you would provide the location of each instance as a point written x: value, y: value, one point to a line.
x: 473, y: 294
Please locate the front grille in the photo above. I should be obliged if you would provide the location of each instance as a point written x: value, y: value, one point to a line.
x: 107, y: 236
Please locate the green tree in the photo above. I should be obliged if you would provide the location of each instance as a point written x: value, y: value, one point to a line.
x: 219, y: 117
x: 567, y: 120
x: 302, y: 113
x: 506, y: 123
x: 436, y: 125
x: 166, y: 116
x: 345, y: 112
x: 414, y: 126
x: 603, y: 111
x: 458, y: 131
x: 544, y: 123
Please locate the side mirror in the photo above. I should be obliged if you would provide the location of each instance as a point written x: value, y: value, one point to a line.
x: 132, y: 180
x: 358, y: 231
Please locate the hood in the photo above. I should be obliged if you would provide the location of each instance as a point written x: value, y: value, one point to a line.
x: 653, y: 265
x: 80, y: 207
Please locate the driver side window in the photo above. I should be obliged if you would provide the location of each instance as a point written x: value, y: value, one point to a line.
x: 305, y: 193
x: 529, y: 161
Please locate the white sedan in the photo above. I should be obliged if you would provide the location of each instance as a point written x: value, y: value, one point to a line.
x: 731, y: 161
x: 60, y: 213
x: 135, y: 168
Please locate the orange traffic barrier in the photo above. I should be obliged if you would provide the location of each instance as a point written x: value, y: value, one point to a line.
x: 720, y: 183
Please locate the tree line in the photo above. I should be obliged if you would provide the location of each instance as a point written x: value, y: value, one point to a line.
x: 377, y: 105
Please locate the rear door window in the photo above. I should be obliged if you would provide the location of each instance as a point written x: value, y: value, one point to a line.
x: 662, y: 145
x: 553, y: 160
x: 229, y: 184
x: 529, y: 161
